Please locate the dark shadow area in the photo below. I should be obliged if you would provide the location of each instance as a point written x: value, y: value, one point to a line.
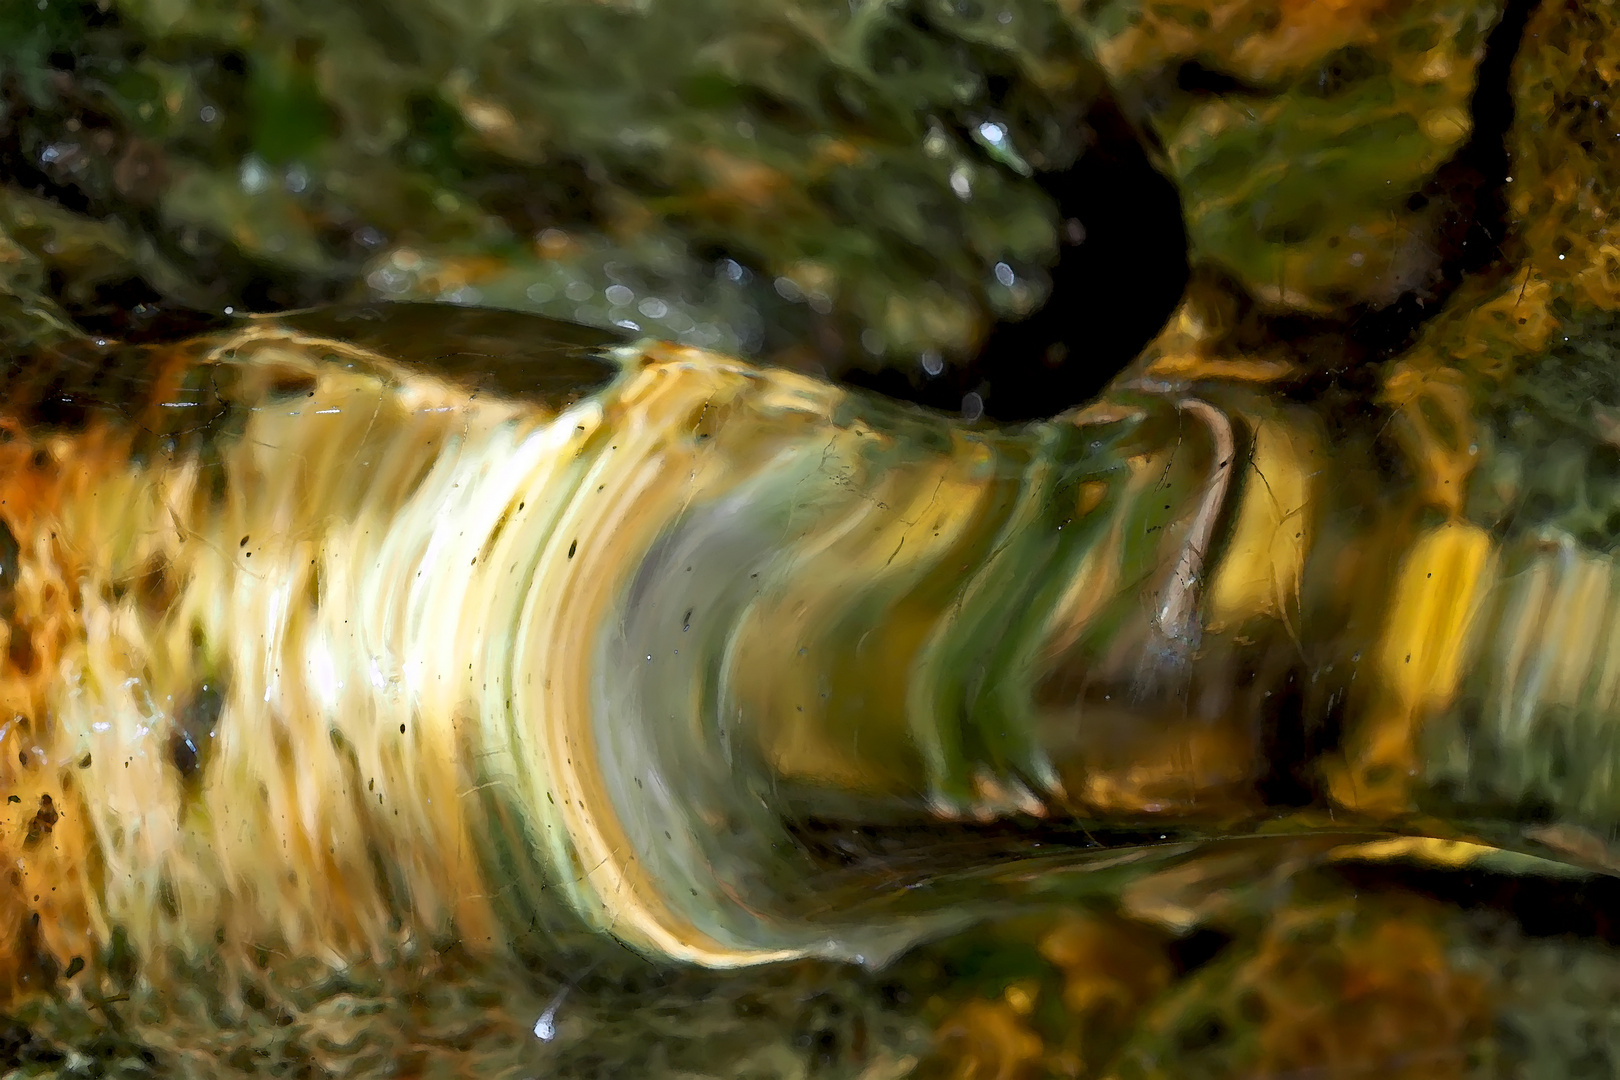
x: 1197, y: 949
x: 1541, y: 906
x: 1122, y: 269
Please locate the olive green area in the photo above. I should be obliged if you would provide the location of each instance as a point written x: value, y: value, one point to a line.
x: 1548, y: 486
x: 725, y: 173
x: 1550, y: 453
x: 548, y: 362
x: 618, y: 1018
x: 1305, y: 139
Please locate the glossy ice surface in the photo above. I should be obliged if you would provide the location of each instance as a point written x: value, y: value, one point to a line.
x: 323, y: 652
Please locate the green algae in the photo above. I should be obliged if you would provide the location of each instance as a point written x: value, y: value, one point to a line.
x: 1304, y: 140
x: 869, y: 168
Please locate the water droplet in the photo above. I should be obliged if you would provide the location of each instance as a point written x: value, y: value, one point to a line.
x: 387, y: 279
x: 253, y: 176
x: 933, y: 364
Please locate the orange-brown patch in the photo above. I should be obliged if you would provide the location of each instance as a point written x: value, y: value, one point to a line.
x: 1339, y: 1000
x: 44, y: 840
x: 988, y: 1040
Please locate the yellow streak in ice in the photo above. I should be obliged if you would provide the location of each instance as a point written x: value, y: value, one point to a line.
x: 1419, y: 662
x: 1259, y: 575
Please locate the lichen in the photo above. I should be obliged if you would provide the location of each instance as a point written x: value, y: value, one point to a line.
x: 1566, y: 159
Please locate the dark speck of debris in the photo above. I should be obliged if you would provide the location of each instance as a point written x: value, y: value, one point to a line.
x: 45, y: 819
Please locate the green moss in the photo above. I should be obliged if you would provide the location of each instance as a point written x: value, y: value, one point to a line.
x: 290, y: 118
x: 836, y: 153
x: 1301, y: 164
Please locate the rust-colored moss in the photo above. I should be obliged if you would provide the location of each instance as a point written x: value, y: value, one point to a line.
x: 1566, y: 156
